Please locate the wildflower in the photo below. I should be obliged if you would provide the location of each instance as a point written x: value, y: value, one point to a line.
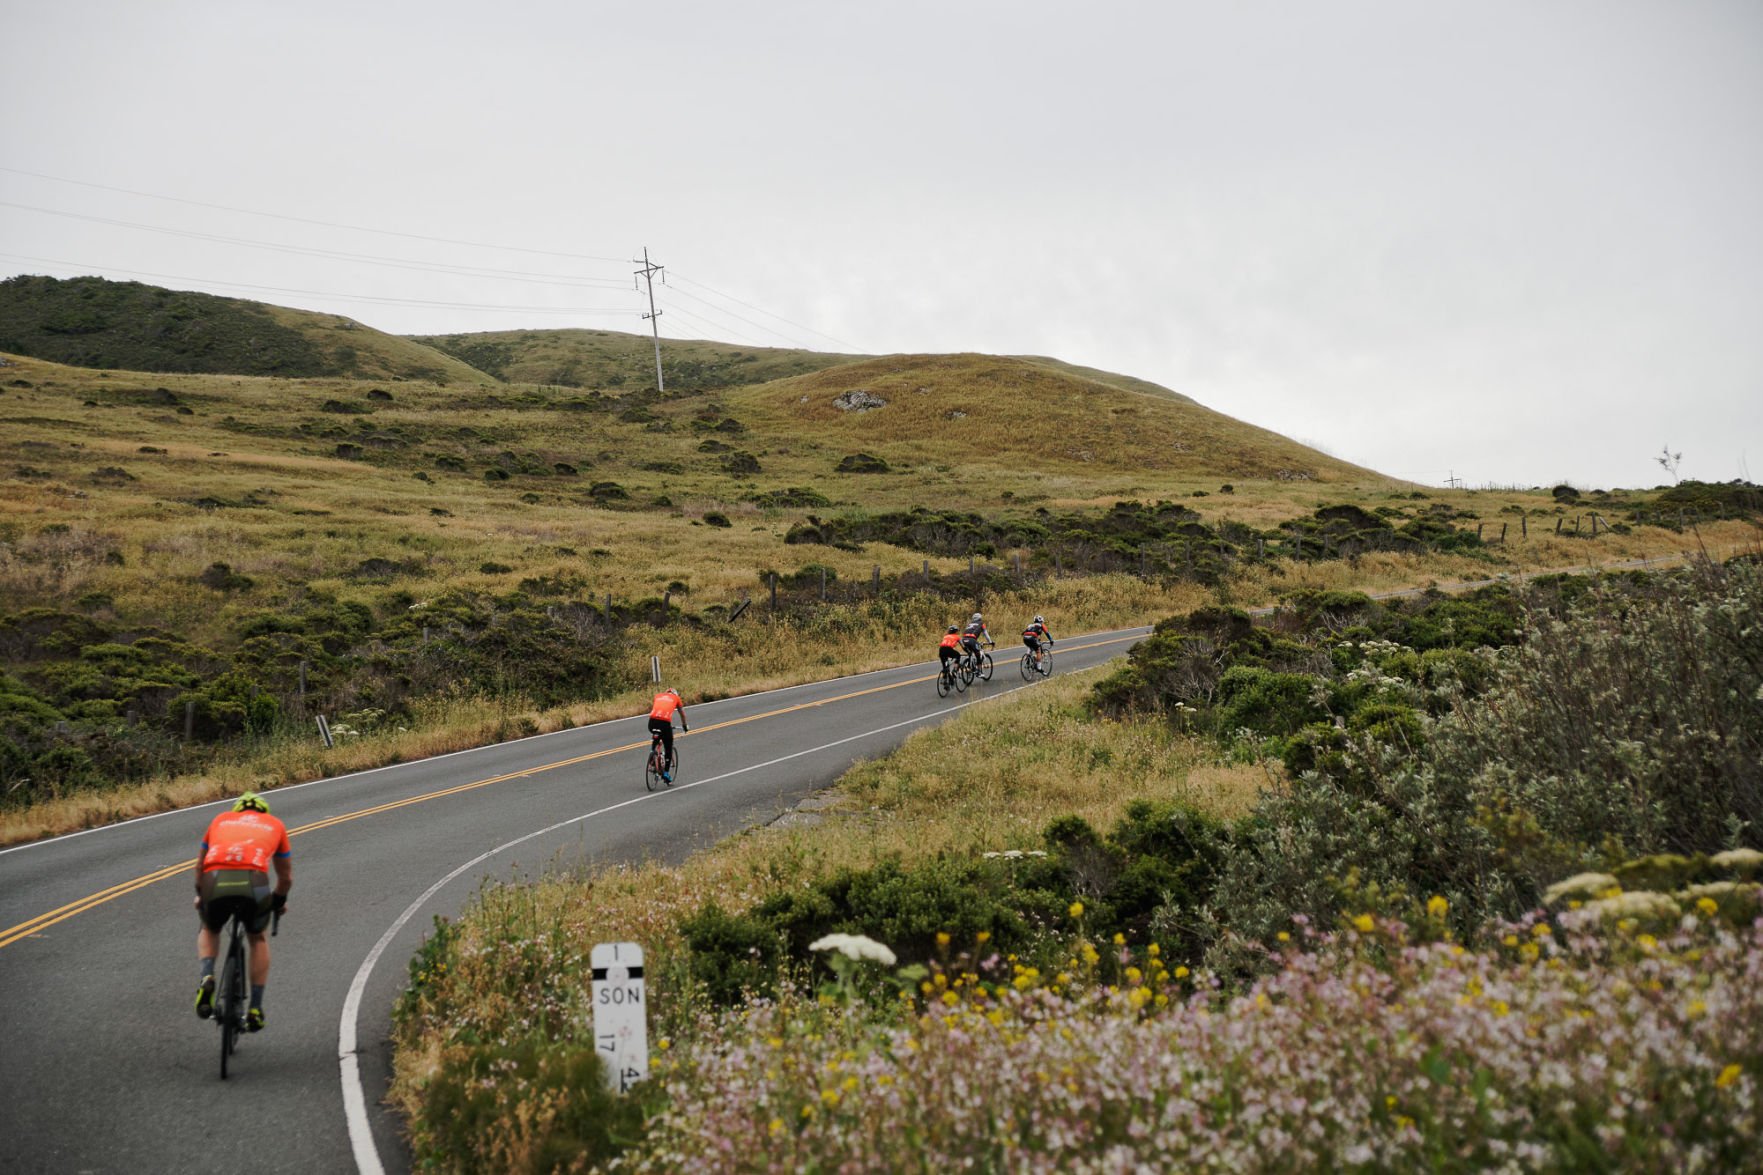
x: 1181, y: 972
x: 1076, y: 910
x: 830, y: 1097
x: 1364, y: 924
x: 776, y: 1127
x: 942, y: 938
x: 1283, y: 936
x: 1153, y: 950
x: 1738, y: 860
x: 1727, y: 1076
x: 854, y: 946
x: 664, y: 1043
x: 1437, y: 907
x: 1707, y: 906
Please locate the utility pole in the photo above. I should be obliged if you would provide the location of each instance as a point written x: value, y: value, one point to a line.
x: 1453, y: 481
x: 647, y: 273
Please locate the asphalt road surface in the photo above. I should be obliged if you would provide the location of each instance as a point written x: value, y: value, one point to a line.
x: 103, y: 1064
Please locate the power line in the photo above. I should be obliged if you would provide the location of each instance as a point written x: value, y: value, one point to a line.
x: 762, y: 310
x: 96, y: 269
x: 740, y: 318
x: 334, y: 254
x: 307, y: 220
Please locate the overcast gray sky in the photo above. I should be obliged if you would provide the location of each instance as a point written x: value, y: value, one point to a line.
x: 1517, y: 242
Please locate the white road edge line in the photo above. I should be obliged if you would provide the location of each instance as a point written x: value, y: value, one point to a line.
x: 367, y: 1158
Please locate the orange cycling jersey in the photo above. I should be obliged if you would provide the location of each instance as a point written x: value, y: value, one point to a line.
x: 951, y: 641
x: 665, y: 705
x: 244, y: 840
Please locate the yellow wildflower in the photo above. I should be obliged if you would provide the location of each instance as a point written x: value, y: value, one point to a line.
x: 1181, y: 972
x: 1283, y: 936
x: 664, y: 1044
x: 942, y: 938
x: 1541, y: 930
x: 830, y: 1097
x: 982, y: 937
x: 1708, y: 906
x: 1364, y: 924
x: 1727, y: 1076
x: 951, y: 998
x: 1153, y: 950
x: 776, y: 1127
x: 1437, y: 907
x: 1696, y: 1008
x: 1076, y: 910
x: 1119, y: 939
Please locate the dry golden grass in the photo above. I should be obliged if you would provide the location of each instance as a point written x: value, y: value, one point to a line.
x: 245, y: 471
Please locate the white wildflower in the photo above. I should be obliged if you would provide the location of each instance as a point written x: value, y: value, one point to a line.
x: 854, y: 946
x: 1583, y: 885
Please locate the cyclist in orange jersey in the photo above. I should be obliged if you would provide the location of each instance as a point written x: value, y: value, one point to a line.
x: 667, y: 703
x: 950, y: 648
x: 232, y: 876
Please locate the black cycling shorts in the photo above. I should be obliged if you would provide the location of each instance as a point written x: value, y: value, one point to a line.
x: 244, y: 891
x: 1032, y: 641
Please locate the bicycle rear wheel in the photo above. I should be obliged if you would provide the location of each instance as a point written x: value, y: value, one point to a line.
x: 945, y: 682
x: 652, y: 769
x: 230, y: 996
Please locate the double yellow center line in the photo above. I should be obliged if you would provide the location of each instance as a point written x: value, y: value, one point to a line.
x: 42, y: 922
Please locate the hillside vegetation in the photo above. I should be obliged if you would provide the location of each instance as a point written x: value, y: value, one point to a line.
x: 93, y: 322
x: 193, y: 565
x: 616, y: 361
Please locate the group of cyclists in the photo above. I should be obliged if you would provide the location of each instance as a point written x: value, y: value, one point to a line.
x: 960, y: 642
x: 244, y: 844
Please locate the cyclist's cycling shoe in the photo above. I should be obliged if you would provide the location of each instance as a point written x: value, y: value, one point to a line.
x: 254, y: 1020
x: 205, y: 997
x: 667, y: 777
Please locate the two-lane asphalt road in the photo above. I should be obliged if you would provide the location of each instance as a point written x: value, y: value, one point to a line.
x: 103, y: 1065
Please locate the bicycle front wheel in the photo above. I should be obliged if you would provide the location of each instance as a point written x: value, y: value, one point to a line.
x: 1046, y: 662
x: 985, y: 667
x: 666, y: 782
x: 1028, y: 667
x: 963, y: 676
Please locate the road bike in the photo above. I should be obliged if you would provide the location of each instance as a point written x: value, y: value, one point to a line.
x: 950, y: 677
x: 976, y: 666
x: 655, y: 774
x: 231, y: 994
x: 1032, y: 670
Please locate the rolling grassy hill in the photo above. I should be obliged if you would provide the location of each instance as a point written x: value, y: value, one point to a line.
x: 96, y: 323
x: 613, y: 360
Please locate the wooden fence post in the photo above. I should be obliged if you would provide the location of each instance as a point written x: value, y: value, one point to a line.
x: 1503, y: 533
x: 875, y: 580
x: 1523, y: 526
x: 823, y: 585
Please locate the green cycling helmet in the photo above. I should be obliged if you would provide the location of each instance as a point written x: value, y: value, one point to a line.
x: 251, y: 802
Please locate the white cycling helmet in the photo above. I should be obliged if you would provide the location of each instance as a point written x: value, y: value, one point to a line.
x: 1038, y: 620
x: 976, y: 618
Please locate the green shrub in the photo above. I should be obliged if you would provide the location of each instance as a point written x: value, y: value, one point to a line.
x: 731, y: 954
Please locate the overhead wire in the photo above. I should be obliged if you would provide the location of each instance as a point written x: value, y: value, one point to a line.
x: 334, y: 254
x: 558, y: 280
x: 81, y: 265
x: 308, y: 220
x: 741, y: 318
x: 762, y: 310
